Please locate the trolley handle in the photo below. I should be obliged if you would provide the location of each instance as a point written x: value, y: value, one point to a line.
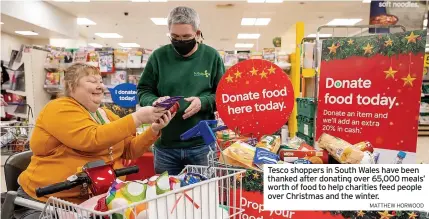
x: 58, y: 187
x: 126, y: 171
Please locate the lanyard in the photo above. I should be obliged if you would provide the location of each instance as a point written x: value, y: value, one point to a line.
x: 100, y: 118
x: 102, y: 122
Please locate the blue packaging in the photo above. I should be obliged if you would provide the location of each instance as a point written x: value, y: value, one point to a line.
x: 263, y: 156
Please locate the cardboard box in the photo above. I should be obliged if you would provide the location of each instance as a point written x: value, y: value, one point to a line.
x: 314, y: 156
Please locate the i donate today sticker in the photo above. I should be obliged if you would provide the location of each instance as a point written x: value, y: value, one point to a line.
x: 124, y: 95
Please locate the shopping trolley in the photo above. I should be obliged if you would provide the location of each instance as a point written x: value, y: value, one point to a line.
x: 218, y: 196
x: 15, y: 138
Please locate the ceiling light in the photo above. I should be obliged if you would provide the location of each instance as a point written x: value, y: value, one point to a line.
x: 321, y: 35
x: 274, y: 1
x: 244, y: 45
x: 95, y: 45
x: 129, y: 45
x: 85, y: 21
x: 264, y: 1
x: 159, y: 21
x: 26, y: 33
x: 108, y: 35
x: 248, y: 36
x: 346, y: 22
x: 149, y: 0
x: 71, y: 0
x: 248, y: 21
x: 255, y: 21
x: 366, y: 1
x: 262, y: 21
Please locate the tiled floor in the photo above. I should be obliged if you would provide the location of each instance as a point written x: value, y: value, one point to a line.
x: 422, y: 156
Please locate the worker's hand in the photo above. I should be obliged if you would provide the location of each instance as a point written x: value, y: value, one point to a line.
x: 162, y: 122
x: 148, y: 115
x: 159, y: 100
x: 192, y: 109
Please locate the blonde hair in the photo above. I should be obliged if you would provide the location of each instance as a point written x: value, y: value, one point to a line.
x: 75, y: 72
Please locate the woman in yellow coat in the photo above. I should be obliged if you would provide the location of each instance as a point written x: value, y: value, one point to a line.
x: 73, y: 130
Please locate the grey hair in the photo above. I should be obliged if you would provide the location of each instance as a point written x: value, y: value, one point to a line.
x: 184, y: 15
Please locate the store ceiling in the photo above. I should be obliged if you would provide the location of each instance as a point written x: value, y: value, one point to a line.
x: 220, y: 22
x: 12, y: 24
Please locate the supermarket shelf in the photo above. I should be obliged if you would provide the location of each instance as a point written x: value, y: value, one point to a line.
x: 107, y: 101
x: 423, y: 130
x: 53, y: 86
x: 17, y: 92
x: 8, y: 123
x: 20, y: 115
x: 423, y: 133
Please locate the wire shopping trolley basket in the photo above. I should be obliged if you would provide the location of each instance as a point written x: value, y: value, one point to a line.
x: 15, y: 138
x: 213, y: 198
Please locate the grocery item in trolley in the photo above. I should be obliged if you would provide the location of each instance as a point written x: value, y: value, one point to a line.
x: 193, y: 203
x: 270, y: 142
x: 314, y: 156
x: 364, y: 146
x: 344, y: 152
x: 239, y: 154
x: 263, y: 156
x: 122, y: 194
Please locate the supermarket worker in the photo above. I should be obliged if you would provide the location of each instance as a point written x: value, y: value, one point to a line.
x: 188, y: 68
x: 73, y: 130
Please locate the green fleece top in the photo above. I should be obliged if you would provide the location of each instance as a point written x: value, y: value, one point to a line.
x: 169, y: 74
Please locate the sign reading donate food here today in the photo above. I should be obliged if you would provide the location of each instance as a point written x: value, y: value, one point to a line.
x: 124, y: 95
x: 255, y: 97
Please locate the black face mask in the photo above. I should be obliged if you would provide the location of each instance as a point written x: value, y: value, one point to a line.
x: 184, y: 47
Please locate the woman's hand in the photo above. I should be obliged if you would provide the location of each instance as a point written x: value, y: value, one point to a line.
x: 148, y: 115
x: 162, y: 122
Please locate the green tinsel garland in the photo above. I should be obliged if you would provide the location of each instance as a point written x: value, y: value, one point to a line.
x: 354, y: 46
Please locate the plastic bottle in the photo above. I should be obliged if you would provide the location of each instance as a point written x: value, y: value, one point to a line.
x: 285, y: 135
x: 400, y: 157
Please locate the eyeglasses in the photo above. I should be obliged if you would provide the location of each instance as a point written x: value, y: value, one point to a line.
x: 181, y: 38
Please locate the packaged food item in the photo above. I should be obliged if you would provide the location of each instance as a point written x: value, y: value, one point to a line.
x: 340, y: 150
x: 269, y: 142
x: 263, y: 156
x: 301, y: 161
x: 295, y: 142
x: 239, y: 154
x: 191, y: 178
x: 305, y: 147
x: 368, y: 158
x: 314, y: 156
x: 376, y: 156
x: 227, y: 137
x: 364, y: 146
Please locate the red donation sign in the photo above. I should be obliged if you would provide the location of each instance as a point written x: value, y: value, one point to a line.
x: 255, y: 97
x: 370, y: 89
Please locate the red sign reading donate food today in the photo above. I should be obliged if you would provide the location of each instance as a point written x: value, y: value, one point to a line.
x: 370, y: 90
x: 255, y: 97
